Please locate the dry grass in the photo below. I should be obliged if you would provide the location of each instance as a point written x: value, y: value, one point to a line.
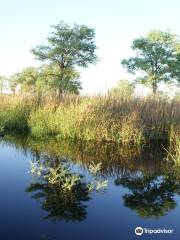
x: 124, y: 119
x: 173, y: 153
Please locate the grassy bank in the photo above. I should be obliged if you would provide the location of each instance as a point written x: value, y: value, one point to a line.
x: 125, y: 119
x: 14, y: 113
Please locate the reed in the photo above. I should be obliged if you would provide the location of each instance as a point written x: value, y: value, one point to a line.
x: 173, y: 153
x: 122, y: 119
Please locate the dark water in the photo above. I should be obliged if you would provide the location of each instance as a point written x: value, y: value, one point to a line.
x: 142, y: 191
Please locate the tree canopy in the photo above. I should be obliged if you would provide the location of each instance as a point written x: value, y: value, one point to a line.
x: 157, y: 58
x: 68, y: 47
x: 27, y: 79
x: 45, y: 79
x: 123, y: 88
x: 50, y: 80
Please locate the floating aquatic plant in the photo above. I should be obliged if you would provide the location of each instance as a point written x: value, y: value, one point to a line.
x: 61, y: 176
x: 98, y: 183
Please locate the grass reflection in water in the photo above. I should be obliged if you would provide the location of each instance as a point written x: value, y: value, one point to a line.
x: 152, y: 183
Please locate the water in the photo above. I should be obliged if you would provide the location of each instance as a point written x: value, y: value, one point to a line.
x: 142, y: 191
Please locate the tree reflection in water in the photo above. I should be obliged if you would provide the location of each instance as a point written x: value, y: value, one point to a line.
x: 61, y: 192
x: 151, y: 183
x: 61, y: 205
x: 150, y: 195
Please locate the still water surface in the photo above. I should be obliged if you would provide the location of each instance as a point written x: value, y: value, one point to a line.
x: 142, y: 191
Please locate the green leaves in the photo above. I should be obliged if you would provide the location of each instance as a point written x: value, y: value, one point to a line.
x: 45, y: 79
x: 123, y: 88
x: 101, y: 184
x: 157, y: 58
x: 68, y: 46
x: 97, y: 184
x: 2, y: 82
x: 95, y: 168
x: 61, y: 176
x: 51, y: 79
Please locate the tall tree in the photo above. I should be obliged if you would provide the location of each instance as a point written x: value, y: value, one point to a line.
x: 156, y: 58
x: 68, y: 47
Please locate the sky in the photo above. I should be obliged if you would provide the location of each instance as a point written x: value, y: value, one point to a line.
x: 26, y: 24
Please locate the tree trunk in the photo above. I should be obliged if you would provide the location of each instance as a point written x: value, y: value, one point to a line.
x: 60, y: 90
x: 154, y: 88
x: 154, y: 85
x: 59, y: 93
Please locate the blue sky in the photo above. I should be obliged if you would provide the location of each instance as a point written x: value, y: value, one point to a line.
x: 25, y: 24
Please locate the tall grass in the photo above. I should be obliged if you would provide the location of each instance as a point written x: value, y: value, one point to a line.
x: 14, y: 113
x: 173, y: 153
x: 121, y: 119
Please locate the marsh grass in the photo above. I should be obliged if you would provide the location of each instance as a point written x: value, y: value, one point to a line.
x: 119, y: 119
x: 173, y: 153
x: 14, y: 113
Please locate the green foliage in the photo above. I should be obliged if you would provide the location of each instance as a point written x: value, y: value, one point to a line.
x: 14, y: 119
x: 2, y: 82
x: 62, y: 177
x: 123, y: 120
x: 45, y: 80
x: 97, y: 184
x: 132, y: 130
x: 86, y: 121
x: 150, y: 195
x: 123, y: 88
x: 66, y: 48
x: 60, y: 192
x: 26, y: 80
x: 13, y: 82
x: 173, y: 153
x: 95, y: 168
x: 40, y: 123
x: 157, y: 57
x: 50, y: 80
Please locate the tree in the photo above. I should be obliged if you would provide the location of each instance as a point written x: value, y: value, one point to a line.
x: 45, y: 79
x: 12, y: 83
x: 26, y: 80
x: 50, y: 80
x: 156, y: 58
x: 123, y: 88
x: 2, y: 79
x: 68, y: 47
